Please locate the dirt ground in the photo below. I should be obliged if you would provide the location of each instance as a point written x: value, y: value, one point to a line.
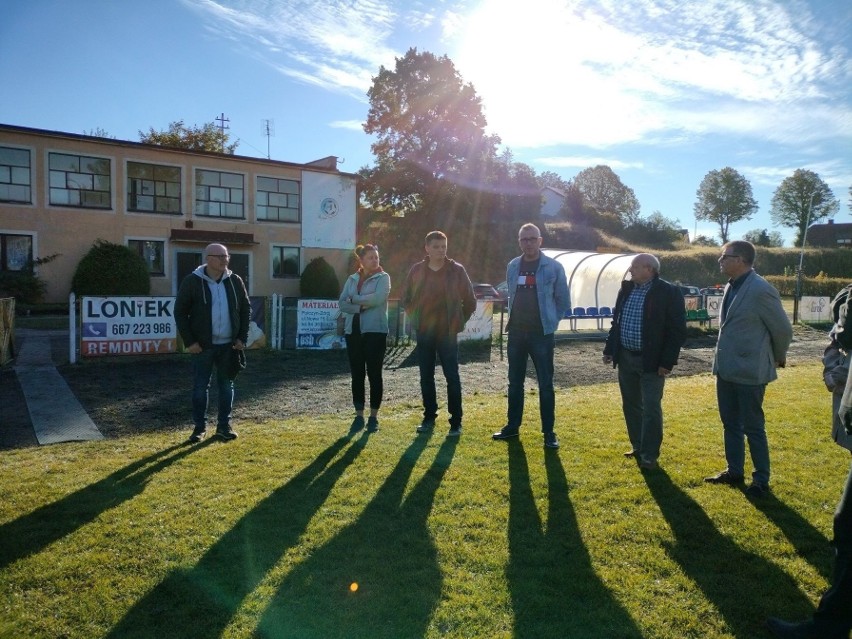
x: 132, y: 395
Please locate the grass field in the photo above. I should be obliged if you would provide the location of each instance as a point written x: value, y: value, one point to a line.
x: 268, y: 536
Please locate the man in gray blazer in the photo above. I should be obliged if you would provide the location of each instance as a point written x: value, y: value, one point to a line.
x: 754, y: 334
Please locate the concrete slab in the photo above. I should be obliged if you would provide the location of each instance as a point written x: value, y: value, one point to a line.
x: 55, y: 413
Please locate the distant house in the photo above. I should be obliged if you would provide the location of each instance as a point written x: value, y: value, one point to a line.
x: 830, y: 235
x: 551, y: 201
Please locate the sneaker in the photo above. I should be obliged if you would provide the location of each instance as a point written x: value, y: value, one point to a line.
x: 725, y: 477
x: 550, y: 440
x: 372, y: 424
x: 226, y: 432
x: 197, y: 435
x: 426, y: 425
x: 631, y: 453
x: 505, y: 433
x: 357, y: 424
x: 757, y: 489
x: 455, y: 431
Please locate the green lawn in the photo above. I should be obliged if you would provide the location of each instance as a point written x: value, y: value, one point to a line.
x: 265, y: 536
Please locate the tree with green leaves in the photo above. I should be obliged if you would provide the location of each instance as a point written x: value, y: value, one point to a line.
x: 763, y: 237
x: 206, y: 138
x: 604, y: 191
x: 801, y: 200
x: 724, y: 197
x: 431, y: 143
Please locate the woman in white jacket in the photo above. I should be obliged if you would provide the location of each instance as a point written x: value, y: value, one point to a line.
x: 364, y: 303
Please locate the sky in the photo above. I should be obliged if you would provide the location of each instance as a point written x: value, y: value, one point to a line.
x: 661, y: 91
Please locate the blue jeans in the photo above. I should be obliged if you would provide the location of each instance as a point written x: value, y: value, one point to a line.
x: 741, y: 411
x: 641, y: 402
x: 429, y: 348
x: 522, y: 345
x: 203, y: 363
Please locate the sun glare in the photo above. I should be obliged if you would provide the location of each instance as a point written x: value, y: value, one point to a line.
x: 543, y: 72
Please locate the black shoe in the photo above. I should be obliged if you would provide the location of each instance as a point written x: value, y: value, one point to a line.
x: 505, y: 433
x: 803, y: 630
x: 226, y: 432
x: 357, y: 424
x: 757, y: 489
x: 372, y: 424
x: 648, y: 465
x: 550, y: 440
x: 455, y: 431
x: 725, y: 477
x: 426, y: 426
x: 197, y: 435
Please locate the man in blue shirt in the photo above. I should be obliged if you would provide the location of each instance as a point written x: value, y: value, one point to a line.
x: 648, y: 330
x: 538, y: 298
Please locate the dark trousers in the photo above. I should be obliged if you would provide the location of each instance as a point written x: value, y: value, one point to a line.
x: 203, y: 363
x: 834, y: 614
x: 366, y: 353
x: 741, y: 412
x: 641, y: 403
x: 430, y: 347
x: 524, y: 345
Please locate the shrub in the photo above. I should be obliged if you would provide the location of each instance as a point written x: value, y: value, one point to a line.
x: 24, y: 286
x: 111, y: 269
x: 319, y: 280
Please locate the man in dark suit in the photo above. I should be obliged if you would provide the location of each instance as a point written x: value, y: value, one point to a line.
x: 754, y: 334
x: 648, y: 330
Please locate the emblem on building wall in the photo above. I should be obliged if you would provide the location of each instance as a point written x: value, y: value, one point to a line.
x: 328, y: 208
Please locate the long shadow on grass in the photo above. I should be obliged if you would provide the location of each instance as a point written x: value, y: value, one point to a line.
x: 35, y: 531
x: 555, y: 590
x: 388, y: 552
x: 809, y: 542
x: 201, y: 601
x: 744, y: 587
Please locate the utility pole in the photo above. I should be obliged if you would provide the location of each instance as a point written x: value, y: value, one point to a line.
x: 223, y: 124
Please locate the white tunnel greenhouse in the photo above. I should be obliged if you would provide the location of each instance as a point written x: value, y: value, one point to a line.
x: 594, y: 280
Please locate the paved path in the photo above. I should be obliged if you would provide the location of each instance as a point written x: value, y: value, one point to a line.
x: 55, y: 413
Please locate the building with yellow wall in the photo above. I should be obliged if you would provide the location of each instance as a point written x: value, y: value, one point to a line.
x: 60, y: 192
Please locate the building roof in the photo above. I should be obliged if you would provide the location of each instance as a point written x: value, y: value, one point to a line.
x: 326, y: 164
x: 830, y: 235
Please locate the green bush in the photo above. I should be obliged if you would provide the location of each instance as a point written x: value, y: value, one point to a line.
x: 319, y: 280
x: 24, y: 286
x: 111, y: 269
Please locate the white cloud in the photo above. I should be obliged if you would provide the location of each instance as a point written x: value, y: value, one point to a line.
x: 586, y: 161
x: 352, y: 125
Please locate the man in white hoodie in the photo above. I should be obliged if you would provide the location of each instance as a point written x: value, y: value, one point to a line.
x: 212, y: 314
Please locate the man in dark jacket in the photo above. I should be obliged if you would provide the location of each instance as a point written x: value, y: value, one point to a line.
x: 648, y: 330
x: 212, y: 314
x: 439, y: 300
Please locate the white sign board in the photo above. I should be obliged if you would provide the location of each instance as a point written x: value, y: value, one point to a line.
x: 815, y: 309
x: 316, y: 325
x: 328, y: 210
x: 479, y: 325
x: 127, y: 326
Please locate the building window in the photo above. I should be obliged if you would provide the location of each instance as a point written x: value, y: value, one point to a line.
x: 15, y: 175
x: 218, y: 194
x: 285, y: 261
x: 80, y: 180
x: 153, y: 252
x: 16, y: 252
x: 277, y: 200
x: 153, y: 188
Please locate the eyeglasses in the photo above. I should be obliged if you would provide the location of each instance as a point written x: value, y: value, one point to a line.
x: 727, y: 255
x: 221, y: 257
x: 529, y: 239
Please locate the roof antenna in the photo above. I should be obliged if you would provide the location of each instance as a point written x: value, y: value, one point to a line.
x: 267, y: 129
x: 223, y: 124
